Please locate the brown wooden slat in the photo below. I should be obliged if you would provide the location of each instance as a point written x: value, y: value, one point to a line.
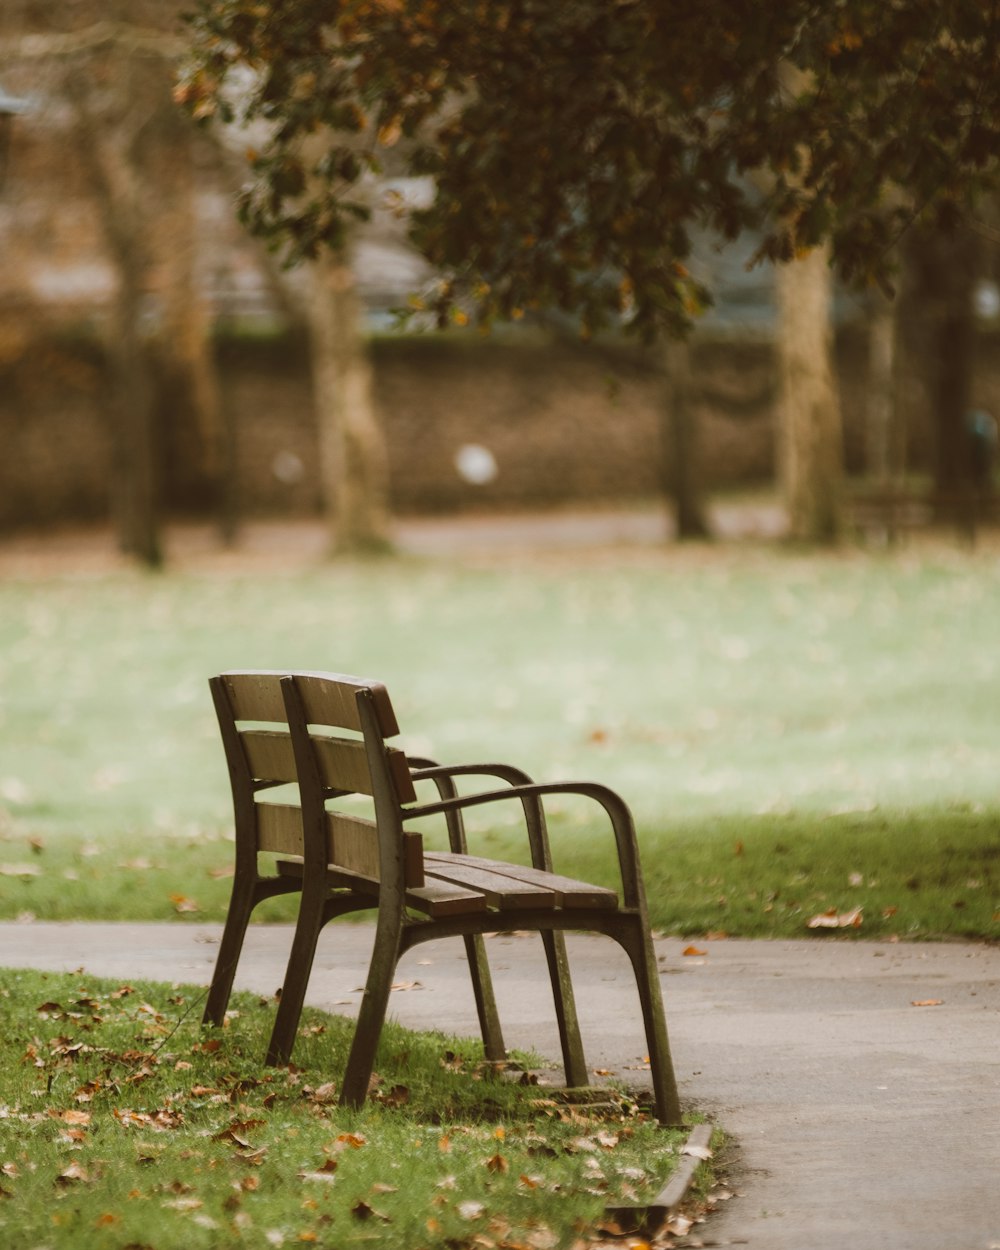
x: 441, y: 898
x: 255, y: 696
x: 343, y: 765
x: 498, y: 889
x: 279, y: 829
x: 269, y: 755
x: 331, y: 699
x: 413, y: 860
x: 568, y: 891
x: 353, y: 845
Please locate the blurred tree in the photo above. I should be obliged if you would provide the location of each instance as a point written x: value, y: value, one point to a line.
x: 574, y: 146
x: 353, y: 455
x: 110, y: 66
x: 942, y: 270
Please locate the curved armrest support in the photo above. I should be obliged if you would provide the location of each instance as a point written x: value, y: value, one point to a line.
x: 429, y: 770
x: 531, y: 795
x: 443, y: 776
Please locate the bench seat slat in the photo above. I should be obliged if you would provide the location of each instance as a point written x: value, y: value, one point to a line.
x: 499, y: 889
x: 444, y: 898
x: 568, y: 892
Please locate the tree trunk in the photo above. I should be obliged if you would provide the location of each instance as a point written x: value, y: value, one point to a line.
x: 184, y: 339
x: 135, y: 486
x: 884, y: 444
x: 943, y: 271
x: 811, y: 457
x: 681, y: 445
x: 109, y: 143
x: 353, y: 454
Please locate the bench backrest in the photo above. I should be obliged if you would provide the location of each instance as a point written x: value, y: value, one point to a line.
x: 325, y: 734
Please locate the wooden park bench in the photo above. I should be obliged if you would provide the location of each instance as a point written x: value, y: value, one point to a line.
x: 326, y: 735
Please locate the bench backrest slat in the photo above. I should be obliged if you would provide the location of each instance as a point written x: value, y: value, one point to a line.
x: 329, y: 699
x: 279, y: 829
x: 261, y: 757
x: 342, y: 762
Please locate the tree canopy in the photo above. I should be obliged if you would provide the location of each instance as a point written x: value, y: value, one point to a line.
x: 574, y: 147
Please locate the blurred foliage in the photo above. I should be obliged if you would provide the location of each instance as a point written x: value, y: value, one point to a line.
x: 575, y: 147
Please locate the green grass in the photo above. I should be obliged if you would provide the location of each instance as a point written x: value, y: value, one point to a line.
x: 123, y: 1123
x: 794, y: 733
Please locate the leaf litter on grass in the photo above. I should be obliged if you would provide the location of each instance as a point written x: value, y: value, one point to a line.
x: 117, y: 1110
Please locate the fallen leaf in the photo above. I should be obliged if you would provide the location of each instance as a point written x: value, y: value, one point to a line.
x: 927, y: 1002
x: 497, y: 1163
x: 71, y: 1117
x: 362, y: 1211
x: 322, y: 1093
x: 183, y: 904
x: 693, y: 950
x: 20, y: 870
x: 471, y: 1210
x: 696, y: 1152
x: 830, y: 919
x: 75, y: 1172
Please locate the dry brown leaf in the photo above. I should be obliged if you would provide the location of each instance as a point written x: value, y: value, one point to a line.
x: 71, y: 1117
x: 693, y: 950
x: 75, y: 1172
x: 830, y: 919
x: 363, y: 1211
x: 927, y: 1002
x: 324, y: 1176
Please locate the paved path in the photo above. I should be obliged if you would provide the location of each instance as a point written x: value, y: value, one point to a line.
x: 861, y: 1120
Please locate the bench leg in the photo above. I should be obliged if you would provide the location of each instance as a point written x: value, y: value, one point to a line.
x: 241, y: 904
x: 639, y: 946
x: 574, y: 1061
x: 297, y: 971
x: 371, y: 1017
x: 486, y: 1003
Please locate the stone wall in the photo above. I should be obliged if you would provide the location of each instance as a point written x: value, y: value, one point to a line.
x: 564, y: 422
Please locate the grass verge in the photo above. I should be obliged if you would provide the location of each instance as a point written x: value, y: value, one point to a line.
x: 123, y: 1123
x: 795, y: 734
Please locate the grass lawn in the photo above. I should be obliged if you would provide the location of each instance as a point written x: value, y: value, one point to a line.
x: 124, y: 1124
x: 795, y: 733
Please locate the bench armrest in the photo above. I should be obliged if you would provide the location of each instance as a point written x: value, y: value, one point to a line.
x: 443, y: 776
x: 531, y: 794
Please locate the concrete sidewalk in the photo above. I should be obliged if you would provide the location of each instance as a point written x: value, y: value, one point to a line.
x: 861, y: 1119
